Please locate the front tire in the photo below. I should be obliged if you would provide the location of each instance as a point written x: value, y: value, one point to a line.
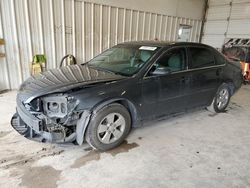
x: 108, y: 127
x: 221, y: 99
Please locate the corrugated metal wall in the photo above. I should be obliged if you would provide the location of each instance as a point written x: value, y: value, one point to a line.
x: 84, y: 29
x: 226, y: 19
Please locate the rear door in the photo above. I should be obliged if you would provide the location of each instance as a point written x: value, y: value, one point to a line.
x: 206, y: 76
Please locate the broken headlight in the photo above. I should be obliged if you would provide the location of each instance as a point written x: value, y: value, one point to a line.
x: 58, y: 106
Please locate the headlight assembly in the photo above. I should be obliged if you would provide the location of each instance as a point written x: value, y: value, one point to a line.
x: 58, y: 105
x: 53, y: 107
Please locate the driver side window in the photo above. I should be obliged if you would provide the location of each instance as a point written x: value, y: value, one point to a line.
x: 172, y: 61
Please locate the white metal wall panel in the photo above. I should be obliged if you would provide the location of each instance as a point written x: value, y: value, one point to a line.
x: 84, y: 29
x: 226, y: 19
x: 24, y: 53
x: 219, y: 2
x: 241, y: 1
x: 215, y: 27
x: 218, y: 12
x: 239, y: 27
x: 239, y: 23
x: 12, y: 47
x: 4, y: 82
x: 213, y: 40
x: 240, y: 11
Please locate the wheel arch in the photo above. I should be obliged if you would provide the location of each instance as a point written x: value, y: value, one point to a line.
x: 130, y: 106
x: 87, y: 116
x: 230, y: 84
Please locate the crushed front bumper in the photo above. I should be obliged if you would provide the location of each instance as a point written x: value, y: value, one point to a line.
x: 32, y: 128
x: 30, y: 120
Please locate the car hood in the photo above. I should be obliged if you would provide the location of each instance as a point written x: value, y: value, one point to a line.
x: 62, y: 80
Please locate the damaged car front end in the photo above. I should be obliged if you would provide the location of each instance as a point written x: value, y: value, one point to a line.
x: 48, y: 111
x: 51, y: 118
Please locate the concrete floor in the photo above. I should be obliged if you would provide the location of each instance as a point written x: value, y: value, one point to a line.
x: 198, y: 149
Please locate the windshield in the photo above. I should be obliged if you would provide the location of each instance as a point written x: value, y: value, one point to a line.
x: 126, y: 61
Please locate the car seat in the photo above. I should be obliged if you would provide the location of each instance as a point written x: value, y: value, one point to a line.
x: 143, y: 58
x: 174, y: 63
x: 145, y: 55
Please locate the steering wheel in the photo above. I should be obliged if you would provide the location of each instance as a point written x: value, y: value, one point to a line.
x: 72, y: 60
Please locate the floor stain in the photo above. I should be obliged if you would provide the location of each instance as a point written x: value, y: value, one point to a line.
x: 43, y: 177
x: 213, y: 115
x: 91, y: 156
x: 123, y: 148
x: 20, y: 160
x: 4, y: 133
x: 12, y: 159
x: 94, y: 155
x: 21, y: 167
x: 15, y: 173
x: 88, y: 149
x: 216, y: 114
x: 236, y: 105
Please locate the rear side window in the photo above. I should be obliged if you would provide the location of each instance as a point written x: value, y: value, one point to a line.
x: 201, y: 57
x: 220, y: 60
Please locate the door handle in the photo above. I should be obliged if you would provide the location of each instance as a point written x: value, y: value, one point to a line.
x: 185, y: 79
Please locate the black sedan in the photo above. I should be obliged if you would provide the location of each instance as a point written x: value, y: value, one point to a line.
x: 100, y: 101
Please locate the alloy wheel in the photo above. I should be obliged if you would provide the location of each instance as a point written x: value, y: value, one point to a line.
x: 222, y: 99
x: 111, y: 128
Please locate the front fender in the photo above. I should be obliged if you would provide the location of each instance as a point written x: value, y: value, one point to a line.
x: 133, y: 110
x: 82, y: 126
x: 85, y: 119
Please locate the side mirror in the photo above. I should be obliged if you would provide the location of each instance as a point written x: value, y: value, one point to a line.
x: 161, y: 71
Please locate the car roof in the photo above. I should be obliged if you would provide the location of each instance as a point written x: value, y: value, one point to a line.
x: 162, y: 43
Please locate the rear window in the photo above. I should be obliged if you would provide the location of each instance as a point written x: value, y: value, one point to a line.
x: 201, y: 57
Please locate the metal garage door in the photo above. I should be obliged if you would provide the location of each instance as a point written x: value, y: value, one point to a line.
x: 4, y: 82
x: 226, y: 19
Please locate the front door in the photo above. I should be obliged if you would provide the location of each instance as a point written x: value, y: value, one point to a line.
x: 171, y: 85
x: 150, y: 95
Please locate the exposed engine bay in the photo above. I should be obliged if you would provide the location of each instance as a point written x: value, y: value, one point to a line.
x: 58, y: 116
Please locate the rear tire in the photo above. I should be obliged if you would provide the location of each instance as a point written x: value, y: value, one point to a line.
x: 221, y: 100
x: 108, y: 127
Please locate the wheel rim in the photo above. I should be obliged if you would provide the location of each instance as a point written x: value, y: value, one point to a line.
x: 222, y: 99
x: 111, y: 128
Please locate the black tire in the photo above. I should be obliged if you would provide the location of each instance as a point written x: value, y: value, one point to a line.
x: 214, y: 106
x: 92, y: 136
